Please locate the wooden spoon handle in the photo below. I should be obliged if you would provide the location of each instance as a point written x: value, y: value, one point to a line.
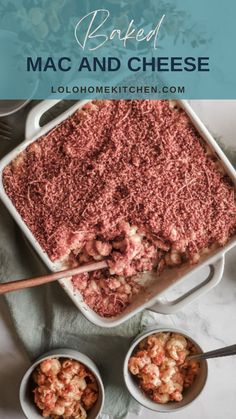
x: 44, y: 279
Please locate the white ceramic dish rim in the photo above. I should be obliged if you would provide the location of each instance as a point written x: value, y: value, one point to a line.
x: 147, y: 332
x: 33, y: 132
x: 64, y: 353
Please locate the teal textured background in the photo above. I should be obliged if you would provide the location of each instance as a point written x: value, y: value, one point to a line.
x: 46, y: 28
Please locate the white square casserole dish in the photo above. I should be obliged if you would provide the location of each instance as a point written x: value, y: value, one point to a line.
x: 154, y: 286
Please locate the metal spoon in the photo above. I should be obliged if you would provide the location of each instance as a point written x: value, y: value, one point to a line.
x: 226, y: 351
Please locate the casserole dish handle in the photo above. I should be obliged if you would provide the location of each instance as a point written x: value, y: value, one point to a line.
x: 34, y: 116
x: 214, y: 277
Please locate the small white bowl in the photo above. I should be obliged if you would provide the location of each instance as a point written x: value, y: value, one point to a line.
x: 190, y: 394
x: 8, y: 107
x: 26, y: 396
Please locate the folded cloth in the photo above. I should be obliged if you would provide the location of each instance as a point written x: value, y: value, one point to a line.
x: 45, y: 318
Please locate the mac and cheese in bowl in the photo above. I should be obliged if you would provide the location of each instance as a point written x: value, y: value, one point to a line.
x: 62, y: 384
x: 158, y: 373
x: 65, y: 388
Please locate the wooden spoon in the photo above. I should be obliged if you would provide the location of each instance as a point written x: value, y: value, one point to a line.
x: 44, y: 279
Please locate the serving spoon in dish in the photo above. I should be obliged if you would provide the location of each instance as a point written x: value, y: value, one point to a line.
x: 44, y: 279
x: 217, y: 353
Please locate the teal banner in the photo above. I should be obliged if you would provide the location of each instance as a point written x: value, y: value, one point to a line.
x: 117, y: 49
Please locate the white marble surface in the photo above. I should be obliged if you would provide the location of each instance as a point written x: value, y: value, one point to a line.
x: 211, y: 319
